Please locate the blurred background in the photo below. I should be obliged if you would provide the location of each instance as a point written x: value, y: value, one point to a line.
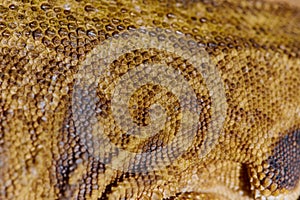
x: 292, y: 2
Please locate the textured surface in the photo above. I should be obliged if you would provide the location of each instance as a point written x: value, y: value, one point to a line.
x: 44, y: 154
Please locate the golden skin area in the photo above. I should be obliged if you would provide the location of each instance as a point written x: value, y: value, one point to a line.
x: 149, y: 99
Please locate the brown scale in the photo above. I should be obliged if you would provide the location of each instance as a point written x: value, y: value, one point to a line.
x: 255, y: 47
x: 145, y: 97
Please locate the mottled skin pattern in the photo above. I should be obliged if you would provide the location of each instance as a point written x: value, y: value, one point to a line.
x: 255, y: 47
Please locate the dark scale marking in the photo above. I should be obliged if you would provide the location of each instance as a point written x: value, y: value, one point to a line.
x: 285, y: 161
x: 109, y: 187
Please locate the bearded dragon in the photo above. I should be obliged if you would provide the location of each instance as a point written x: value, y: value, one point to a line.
x: 92, y: 105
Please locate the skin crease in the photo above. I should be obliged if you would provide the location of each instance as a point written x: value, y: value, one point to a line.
x: 253, y: 45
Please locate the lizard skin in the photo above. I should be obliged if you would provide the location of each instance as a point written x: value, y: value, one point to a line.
x: 255, y: 48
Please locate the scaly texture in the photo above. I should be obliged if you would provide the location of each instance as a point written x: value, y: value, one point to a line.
x: 254, y: 47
